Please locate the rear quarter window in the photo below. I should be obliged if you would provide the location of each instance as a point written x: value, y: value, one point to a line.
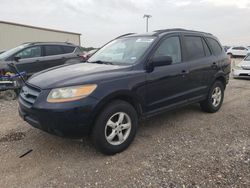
x: 78, y: 50
x: 68, y: 49
x: 216, y: 47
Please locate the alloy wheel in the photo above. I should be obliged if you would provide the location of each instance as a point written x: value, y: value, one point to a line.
x: 118, y: 128
x: 216, y: 96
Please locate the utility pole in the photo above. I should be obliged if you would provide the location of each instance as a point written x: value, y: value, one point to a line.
x: 147, y: 16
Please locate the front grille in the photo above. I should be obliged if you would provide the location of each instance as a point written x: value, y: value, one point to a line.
x: 29, y: 94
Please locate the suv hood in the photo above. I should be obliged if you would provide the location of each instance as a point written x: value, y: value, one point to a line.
x: 77, y: 74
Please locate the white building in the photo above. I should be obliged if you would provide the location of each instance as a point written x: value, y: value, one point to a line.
x: 14, y: 34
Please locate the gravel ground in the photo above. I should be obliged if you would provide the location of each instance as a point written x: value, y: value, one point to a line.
x: 182, y: 148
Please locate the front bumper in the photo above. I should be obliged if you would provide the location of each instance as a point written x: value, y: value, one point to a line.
x: 237, y: 73
x: 71, y: 119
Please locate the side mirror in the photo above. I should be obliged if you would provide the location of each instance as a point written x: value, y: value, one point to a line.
x: 16, y: 58
x: 162, y: 61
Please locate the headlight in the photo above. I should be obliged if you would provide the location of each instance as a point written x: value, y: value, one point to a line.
x: 70, y: 93
x: 238, y: 67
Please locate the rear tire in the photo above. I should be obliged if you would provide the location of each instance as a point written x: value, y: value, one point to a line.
x: 115, y: 127
x: 214, y: 99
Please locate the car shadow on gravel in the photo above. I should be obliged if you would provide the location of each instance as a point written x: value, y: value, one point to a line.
x: 43, y: 143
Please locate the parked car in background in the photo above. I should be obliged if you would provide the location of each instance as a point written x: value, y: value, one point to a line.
x: 226, y: 48
x: 238, y: 51
x: 86, y: 55
x: 37, y: 56
x: 242, y: 70
x: 132, y: 77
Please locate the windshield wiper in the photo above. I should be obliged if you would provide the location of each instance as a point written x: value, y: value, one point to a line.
x: 101, y: 62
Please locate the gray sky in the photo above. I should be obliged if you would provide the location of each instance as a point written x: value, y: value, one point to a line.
x: 101, y: 20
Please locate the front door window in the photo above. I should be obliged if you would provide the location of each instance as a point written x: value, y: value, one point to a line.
x: 31, y: 52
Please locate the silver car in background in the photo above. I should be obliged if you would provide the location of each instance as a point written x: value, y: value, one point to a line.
x: 242, y: 70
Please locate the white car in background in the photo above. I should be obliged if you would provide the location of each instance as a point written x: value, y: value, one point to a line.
x: 242, y: 70
x: 237, y: 51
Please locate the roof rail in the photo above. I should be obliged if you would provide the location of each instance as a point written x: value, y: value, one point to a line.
x: 124, y: 35
x: 178, y: 29
x: 31, y: 43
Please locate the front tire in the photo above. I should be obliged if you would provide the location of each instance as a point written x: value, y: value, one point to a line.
x: 115, y: 127
x: 10, y: 95
x: 214, y: 99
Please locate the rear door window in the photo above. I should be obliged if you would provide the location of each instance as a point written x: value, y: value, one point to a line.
x: 206, y: 48
x: 53, y: 50
x: 68, y: 49
x: 216, y: 48
x: 194, y: 46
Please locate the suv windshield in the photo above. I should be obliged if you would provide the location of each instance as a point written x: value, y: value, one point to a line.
x: 122, y: 51
x: 247, y: 57
x: 10, y: 52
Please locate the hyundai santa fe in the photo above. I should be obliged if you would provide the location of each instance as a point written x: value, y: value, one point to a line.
x: 133, y: 77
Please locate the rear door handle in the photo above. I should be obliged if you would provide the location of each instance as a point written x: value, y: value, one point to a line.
x: 214, y: 65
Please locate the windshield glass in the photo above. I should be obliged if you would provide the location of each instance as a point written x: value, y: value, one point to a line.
x: 11, y: 51
x: 123, y: 50
x: 247, y: 57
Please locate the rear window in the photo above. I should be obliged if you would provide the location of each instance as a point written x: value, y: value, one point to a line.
x: 216, y: 48
x: 53, y: 50
x: 68, y: 49
x: 194, y: 47
x: 78, y: 50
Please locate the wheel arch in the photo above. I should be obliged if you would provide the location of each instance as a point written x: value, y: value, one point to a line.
x: 126, y: 96
x: 222, y: 79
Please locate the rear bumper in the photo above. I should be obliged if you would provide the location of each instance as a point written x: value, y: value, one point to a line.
x: 72, y: 120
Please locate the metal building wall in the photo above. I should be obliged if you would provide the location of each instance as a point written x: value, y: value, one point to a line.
x: 12, y: 35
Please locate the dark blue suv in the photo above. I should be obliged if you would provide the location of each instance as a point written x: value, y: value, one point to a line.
x: 132, y: 77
